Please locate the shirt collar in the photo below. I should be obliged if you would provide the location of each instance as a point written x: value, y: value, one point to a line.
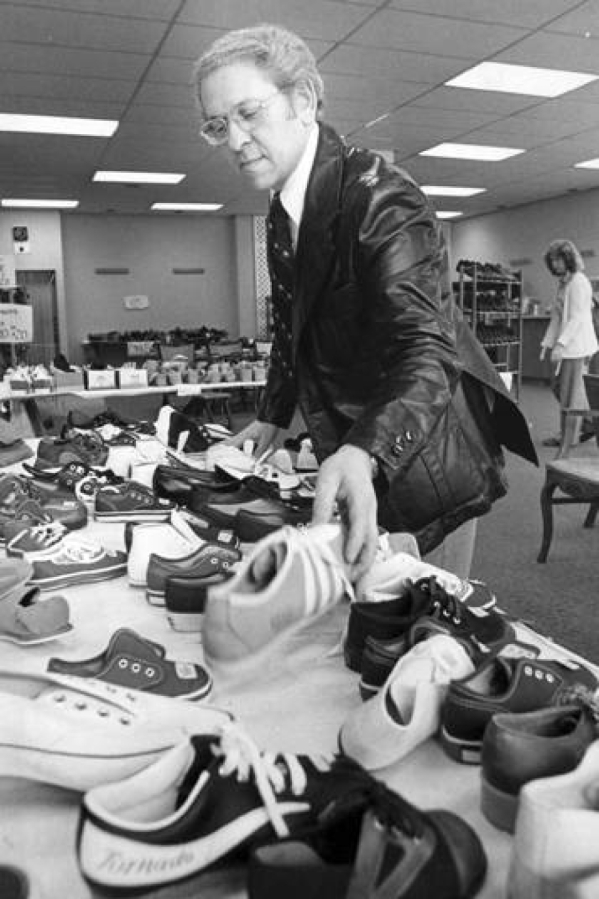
x: 293, y: 192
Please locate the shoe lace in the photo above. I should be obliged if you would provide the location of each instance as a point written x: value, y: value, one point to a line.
x: 79, y: 552
x: 442, y: 603
x: 270, y: 771
x: 391, y: 811
x: 48, y: 533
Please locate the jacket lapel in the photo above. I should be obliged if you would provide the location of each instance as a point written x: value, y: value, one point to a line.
x: 315, y: 254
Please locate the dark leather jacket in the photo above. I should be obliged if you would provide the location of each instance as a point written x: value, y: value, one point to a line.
x: 382, y: 358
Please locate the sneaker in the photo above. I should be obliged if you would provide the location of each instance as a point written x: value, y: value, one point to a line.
x: 88, y: 448
x: 557, y: 832
x: 177, y: 482
x: 286, y: 580
x: 525, y: 746
x: 406, y: 712
x: 76, y: 562
x: 57, y: 505
x: 205, y: 802
x: 132, y: 661
x: 371, y: 842
x: 174, y: 539
x: 23, y: 540
x: 176, y: 430
x: 477, y: 624
x: 26, y: 621
x: 78, y: 733
x: 502, y: 684
x: 209, y: 560
x: 392, y: 577
x: 185, y: 600
x: 131, y: 502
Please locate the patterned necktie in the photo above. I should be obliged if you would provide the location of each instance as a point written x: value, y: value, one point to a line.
x: 281, y: 267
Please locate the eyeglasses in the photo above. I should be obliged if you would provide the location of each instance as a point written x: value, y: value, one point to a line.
x: 247, y: 116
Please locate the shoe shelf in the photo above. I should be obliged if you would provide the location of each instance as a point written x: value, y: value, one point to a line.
x: 490, y: 297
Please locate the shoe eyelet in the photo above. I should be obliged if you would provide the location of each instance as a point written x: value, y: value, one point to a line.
x: 149, y: 672
x: 125, y: 721
x: 80, y: 706
x: 60, y: 698
x: 135, y: 667
x: 103, y: 713
x: 123, y: 663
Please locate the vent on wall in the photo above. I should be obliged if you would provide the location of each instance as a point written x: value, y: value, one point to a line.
x: 587, y: 254
x: 112, y: 271
x: 188, y: 271
x: 518, y: 263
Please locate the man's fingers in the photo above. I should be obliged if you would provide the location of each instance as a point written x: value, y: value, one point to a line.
x: 323, y: 507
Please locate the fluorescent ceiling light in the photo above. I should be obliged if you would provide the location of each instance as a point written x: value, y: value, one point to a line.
x: 41, y: 204
x: 51, y: 124
x: 471, y: 151
x: 438, y: 190
x: 139, y: 177
x: 187, y: 207
x: 447, y: 214
x: 588, y: 164
x: 512, y: 79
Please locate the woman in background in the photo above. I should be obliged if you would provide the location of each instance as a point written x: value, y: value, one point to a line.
x: 570, y: 335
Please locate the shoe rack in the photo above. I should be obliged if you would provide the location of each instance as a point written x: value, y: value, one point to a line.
x: 490, y: 297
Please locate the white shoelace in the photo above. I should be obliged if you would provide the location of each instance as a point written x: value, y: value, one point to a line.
x: 241, y: 755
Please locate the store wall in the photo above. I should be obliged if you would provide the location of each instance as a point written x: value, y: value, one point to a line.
x: 518, y: 238
x: 44, y: 250
x: 150, y: 248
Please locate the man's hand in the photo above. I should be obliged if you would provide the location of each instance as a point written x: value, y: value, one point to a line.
x: 262, y: 434
x: 345, y: 478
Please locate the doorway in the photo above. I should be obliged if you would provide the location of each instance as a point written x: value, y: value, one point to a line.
x: 39, y: 288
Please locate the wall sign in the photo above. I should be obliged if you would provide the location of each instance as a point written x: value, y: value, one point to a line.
x: 16, y: 323
x: 8, y: 275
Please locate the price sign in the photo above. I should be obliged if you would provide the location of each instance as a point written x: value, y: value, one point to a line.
x: 16, y: 323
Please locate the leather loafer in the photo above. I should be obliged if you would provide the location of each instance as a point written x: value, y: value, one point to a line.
x: 518, y: 748
x: 178, y: 482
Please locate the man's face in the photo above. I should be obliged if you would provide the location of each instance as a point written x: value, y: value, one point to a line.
x: 267, y: 149
x: 558, y: 266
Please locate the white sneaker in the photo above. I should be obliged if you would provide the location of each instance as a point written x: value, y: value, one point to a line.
x: 78, y: 733
x: 287, y: 578
x: 391, y: 577
x: 556, y: 840
x: 406, y: 711
x: 172, y: 539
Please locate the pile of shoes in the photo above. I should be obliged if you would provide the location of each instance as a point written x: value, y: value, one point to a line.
x: 218, y: 546
x: 487, y: 271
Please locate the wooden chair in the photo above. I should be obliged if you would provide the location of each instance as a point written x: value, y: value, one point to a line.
x: 572, y: 479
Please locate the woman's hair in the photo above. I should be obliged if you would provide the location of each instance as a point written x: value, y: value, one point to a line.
x: 566, y: 250
x: 278, y: 51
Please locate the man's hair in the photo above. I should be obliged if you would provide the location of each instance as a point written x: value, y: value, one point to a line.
x: 281, y: 53
x: 566, y: 250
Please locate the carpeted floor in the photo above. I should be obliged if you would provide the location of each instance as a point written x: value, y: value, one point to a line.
x: 558, y: 598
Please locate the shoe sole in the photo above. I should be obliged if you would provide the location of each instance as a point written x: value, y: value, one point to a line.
x: 78, y: 577
x: 35, y: 640
x: 154, y: 598
x: 185, y: 622
x: 146, y: 515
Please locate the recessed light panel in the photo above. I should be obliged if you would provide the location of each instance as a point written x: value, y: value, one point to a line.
x: 440, y: 190
x: 471, y: 151
x: 513, y: 79
x: 139, y: 177
x: 50, y: 124
x: 588, y: 164
x: 40, y: 204
x: 448, y: 214
x: 186, y: 207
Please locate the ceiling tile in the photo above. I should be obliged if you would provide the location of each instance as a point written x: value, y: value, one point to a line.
x: 434, y: 34
x: 529, y: 14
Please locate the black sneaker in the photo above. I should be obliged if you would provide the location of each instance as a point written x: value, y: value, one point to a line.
x: 131, y: 502
x: 503, y: 684
x: 204, y: 802
x: 371, y: 842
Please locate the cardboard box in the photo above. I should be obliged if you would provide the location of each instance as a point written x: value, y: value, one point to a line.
x: 64, y: 379
x: 103, y: 379
x: 132, y: 377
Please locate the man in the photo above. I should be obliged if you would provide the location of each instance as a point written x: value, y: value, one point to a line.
x: 406, y: 414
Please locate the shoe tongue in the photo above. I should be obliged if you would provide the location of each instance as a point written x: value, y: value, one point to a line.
x: 266, y: 565
x: 126, y: 641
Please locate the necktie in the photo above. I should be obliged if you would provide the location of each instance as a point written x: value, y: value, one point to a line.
x: 281, y: 267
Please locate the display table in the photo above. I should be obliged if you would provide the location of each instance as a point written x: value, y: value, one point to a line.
x: 30, y: 400
x: 298, y: 704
